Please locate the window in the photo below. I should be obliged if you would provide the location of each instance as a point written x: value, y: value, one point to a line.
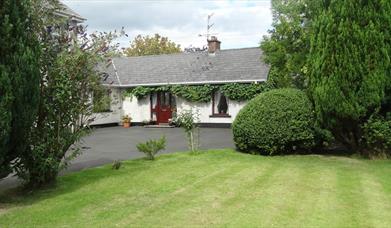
x: 164, y: 99
x: 153, y: 106
x: 154, y: 100
x: 219, y: 105
x: 101, y: 100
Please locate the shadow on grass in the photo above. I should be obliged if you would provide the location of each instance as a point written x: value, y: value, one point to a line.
x: 68, y: 183
x: 71, y: 182
x: 333, y: 150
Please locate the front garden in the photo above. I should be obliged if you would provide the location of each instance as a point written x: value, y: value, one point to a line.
x: 213, y: 188
x: 328, y: 86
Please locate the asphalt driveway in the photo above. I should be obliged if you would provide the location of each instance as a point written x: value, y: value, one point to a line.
x: 104, y: 145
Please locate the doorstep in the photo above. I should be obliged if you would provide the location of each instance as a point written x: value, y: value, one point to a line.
x: 159, y: 126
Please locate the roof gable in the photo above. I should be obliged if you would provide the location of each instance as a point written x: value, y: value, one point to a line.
x: 64, y: 11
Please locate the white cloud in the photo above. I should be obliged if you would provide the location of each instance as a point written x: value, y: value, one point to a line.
x: 237, y: 23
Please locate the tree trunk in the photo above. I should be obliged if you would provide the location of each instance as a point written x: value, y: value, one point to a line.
x: 191, y: 141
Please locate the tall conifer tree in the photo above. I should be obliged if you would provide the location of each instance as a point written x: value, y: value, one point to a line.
x: 19, y: 79
x: 349, y: 65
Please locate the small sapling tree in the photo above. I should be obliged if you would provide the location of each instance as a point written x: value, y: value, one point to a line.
x: 188, y: 120
x: 151, y: 147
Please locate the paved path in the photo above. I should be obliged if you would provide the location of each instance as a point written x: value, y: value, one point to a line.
x: 107, y: 144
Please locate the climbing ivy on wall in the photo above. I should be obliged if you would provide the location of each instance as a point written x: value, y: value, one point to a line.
x: 199, y: 93
x: 242, y: 92
x: 202, y: 93
x: 139, y: 92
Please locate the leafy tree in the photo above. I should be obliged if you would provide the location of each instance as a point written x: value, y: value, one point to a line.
x: 19, y: 80
x: 350, y: 65
x: 68, y: 78
x: 287, y: 47
x: 146, y: 45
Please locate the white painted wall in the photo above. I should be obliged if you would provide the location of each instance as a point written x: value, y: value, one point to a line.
x: 140, y: 110
x: 205, y: 110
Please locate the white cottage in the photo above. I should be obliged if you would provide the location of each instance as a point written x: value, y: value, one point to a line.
x: 213, y: 67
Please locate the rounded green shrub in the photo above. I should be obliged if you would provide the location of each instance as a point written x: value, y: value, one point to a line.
x: 279, y: 121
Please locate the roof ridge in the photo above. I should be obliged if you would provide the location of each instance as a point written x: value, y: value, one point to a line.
x: 235, y: 49
x: 146, y: 56
x: 184, y: 53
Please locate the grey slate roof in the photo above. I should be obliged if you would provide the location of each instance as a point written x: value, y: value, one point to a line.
x: 233, y: 65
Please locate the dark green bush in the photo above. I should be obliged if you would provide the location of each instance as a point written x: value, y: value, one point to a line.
x: 116, y: 164
x: 275, y: 122
x: 377, y: 137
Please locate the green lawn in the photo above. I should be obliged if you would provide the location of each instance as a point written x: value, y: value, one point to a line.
x: 214, y: 188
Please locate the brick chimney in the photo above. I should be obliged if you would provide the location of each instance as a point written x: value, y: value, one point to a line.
x: 213, y: 44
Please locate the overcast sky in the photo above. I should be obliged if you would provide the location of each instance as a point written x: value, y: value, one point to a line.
x: 237, y: 23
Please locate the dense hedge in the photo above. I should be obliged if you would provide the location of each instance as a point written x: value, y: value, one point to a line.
x: 275, y: 122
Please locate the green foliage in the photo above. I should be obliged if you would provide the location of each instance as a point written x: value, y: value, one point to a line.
x: 68, y: 77
x: 242, y: 92
x: 146, y: 45
x: 377, y: 137
x: 287, y: 47
x: 63, y: 103
x: 116, y: 164
x: 275, y: 122
x: 152, y: 147
x: 323, y: 137
x: 126, y: 119
x: 19, y: 79
x: 101, y: 99
x: 203, y: 93
x: 350, y: 65
x: 188, y: 120
x: 139, y: 91
x: 198, y: 93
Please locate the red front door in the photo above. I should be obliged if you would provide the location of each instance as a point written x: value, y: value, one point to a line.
x: 164, y: 107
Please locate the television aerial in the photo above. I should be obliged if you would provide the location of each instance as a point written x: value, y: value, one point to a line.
x: 208, y: 27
